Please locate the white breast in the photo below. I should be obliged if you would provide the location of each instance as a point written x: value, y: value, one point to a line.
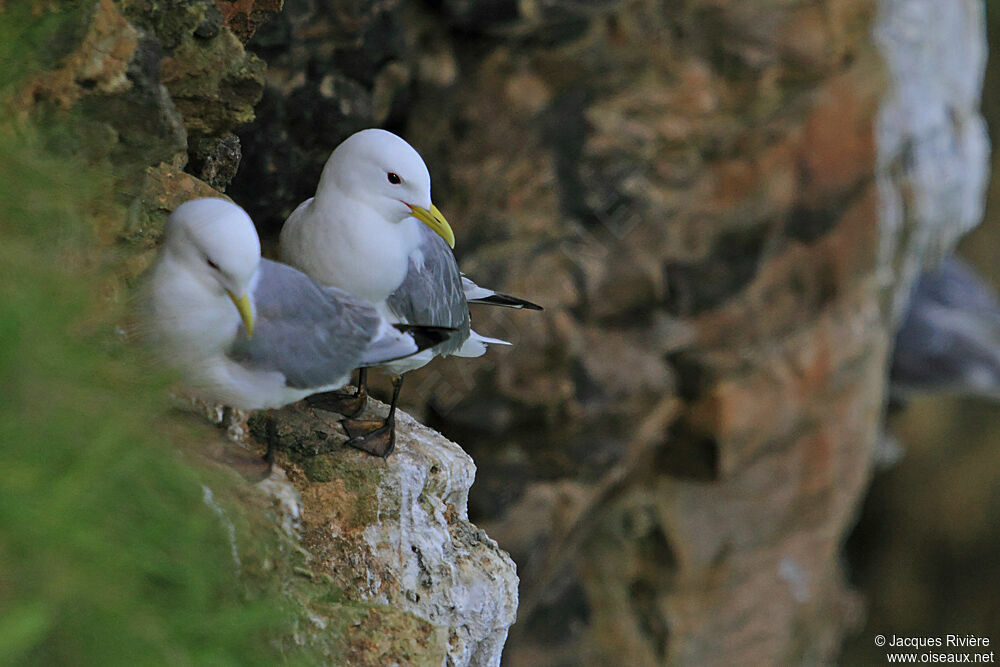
x: 364, y: 255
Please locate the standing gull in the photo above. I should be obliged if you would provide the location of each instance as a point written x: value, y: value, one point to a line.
x: 372, y: 230
x: 252, y: 333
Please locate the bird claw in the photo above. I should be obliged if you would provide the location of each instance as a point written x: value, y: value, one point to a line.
x: 343, y: 404
x: 362, y: 427
x: 376, y: 437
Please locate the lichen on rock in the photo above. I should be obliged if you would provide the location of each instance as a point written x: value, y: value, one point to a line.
x: 243, y: 17
x: 395, y: 533
x: 214, y: 83
x: 143, y: 83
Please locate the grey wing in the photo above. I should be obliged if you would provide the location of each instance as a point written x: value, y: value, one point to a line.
x: 956, y: 284
x: 431, y: 293
x: 949, y: 340
x: 314, y: 336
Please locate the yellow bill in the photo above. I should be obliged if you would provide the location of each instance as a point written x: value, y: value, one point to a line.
x: 246, y: 311
x: 436, y: 221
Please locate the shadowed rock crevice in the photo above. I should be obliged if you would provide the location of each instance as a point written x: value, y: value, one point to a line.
x: 810, y: 221
x: 644, y: 602
x: 556, y: 621
x: 648, y: 592
x: 724, y: 273
x: 689, y: 454
x: 693, y: 376
x: 566, y: 122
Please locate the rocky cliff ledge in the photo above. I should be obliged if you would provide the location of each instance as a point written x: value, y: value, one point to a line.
x: 392, y: 535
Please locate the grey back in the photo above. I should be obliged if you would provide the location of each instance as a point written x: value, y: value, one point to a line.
x: 313, y: 335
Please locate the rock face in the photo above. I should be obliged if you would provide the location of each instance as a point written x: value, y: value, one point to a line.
x: 146, y: 89
x: 721, y: 203
x: 396, y: 533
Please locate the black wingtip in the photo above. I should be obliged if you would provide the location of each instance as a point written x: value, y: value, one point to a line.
x: 507, y: 301
x: 425, y: 336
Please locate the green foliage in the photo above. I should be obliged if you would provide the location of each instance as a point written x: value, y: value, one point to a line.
x: 35, y: 36
x: 109, y: 553
x: 112, y: 549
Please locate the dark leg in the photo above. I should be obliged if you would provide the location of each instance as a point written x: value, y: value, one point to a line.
x: 377, y: 437
x: 343, y: 404
x: 272, y: 442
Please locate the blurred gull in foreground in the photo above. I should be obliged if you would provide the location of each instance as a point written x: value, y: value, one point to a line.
x: 372, y: 230
x: 251, y: 333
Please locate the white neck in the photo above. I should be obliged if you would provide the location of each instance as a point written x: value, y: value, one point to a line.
x: 191, y: 320
x: 341, y: 242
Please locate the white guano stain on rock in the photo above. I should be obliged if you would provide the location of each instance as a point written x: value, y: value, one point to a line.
x: 449, y: 572
x: 933, y: 149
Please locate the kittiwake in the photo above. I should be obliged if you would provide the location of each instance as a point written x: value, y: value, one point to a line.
x: 252, y: 333
x: 371, y: 229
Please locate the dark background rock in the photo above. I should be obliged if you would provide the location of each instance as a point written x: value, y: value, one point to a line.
x: 214, y: 159
x: 690, y: 191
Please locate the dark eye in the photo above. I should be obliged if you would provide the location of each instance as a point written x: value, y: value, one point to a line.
x: 394, y: 178
x: 211, y: 264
